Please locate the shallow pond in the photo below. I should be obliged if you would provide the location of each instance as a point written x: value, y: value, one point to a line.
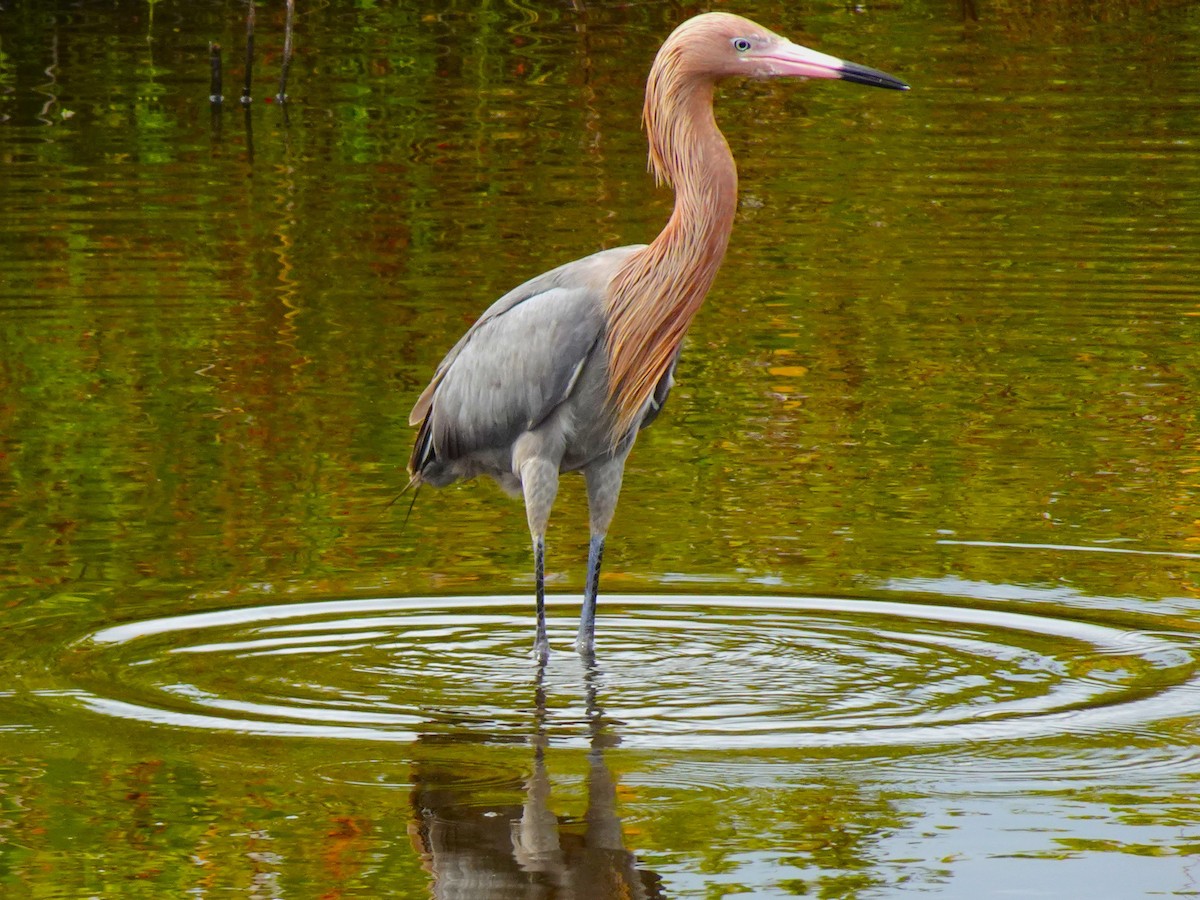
x: 903, y: 593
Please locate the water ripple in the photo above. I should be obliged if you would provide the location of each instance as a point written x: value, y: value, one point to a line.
x: 676, y: 672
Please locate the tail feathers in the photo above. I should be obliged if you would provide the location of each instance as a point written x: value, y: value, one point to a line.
x: 422, y: 453
x: 423, y: 457
x: 414, y: 485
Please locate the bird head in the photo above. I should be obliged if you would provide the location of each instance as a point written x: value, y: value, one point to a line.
x: 721, y: 45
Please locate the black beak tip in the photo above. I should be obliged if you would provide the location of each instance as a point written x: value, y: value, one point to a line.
x: 857, y: 74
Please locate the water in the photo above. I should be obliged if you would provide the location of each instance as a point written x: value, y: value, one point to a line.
x: 901, y: 596
x: 678, y: 672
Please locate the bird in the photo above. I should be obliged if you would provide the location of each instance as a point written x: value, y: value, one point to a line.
x: 561, y: 373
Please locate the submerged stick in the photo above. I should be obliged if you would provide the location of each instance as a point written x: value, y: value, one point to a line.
x: 248, y: 127
x: 214, y: 86
x: 287, y: 51
x: 246, y: 98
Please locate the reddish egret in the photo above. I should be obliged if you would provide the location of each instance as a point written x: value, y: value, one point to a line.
x: 561, y: 373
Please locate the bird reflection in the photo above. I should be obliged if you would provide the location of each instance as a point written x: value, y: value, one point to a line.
x: 477, y: 850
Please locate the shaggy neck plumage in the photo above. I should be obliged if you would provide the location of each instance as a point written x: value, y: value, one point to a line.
x: 655, y: 295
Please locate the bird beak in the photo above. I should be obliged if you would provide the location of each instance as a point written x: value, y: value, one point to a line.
x: 788, y: 59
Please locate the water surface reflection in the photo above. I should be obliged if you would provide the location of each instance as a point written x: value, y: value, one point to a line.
x: 717, y: 672
x: 475, y: 849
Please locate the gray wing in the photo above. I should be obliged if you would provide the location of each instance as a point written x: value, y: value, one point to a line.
x: 514, y: 371
x: 517, y: 363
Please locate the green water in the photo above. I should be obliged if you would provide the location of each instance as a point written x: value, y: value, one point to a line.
x: 903, y: 593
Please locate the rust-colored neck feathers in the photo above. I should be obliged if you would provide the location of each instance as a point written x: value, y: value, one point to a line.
x: 654, y: 296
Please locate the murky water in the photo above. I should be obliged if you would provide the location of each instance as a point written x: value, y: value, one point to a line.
x: 902, y: 595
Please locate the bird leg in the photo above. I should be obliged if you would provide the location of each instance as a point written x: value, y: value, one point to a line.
x: 541, y: 643
x: 585, y: 640
x: 604, y: 486
x: 539, y: 483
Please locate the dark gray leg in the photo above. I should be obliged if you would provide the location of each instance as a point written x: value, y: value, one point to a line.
x: 604, y: 486
x: 541, y: 644
x: 585, y: 641
x: 539, y: 483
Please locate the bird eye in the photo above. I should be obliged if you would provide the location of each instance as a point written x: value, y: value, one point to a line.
x: 741, y: 45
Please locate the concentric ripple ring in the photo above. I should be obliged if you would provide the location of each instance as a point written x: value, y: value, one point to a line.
x: 672, y: 672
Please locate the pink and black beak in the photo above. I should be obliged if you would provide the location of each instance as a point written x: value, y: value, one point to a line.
x: 850, y: 71
x: 783, y: 58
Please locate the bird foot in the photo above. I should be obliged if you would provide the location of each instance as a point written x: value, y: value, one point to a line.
x: 585, y: 646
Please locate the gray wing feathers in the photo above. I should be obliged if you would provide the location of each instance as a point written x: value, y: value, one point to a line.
x: 519, y: 360
x: 514, y: 371
x: 593, y: 272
